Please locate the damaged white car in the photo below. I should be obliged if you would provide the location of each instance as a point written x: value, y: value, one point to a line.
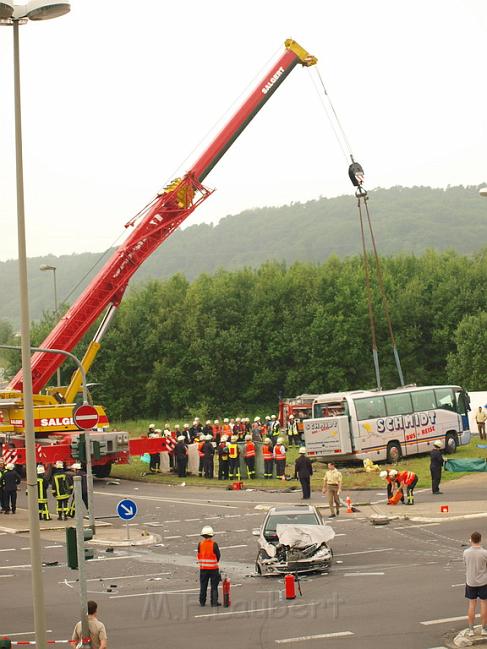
x: 293, y: 539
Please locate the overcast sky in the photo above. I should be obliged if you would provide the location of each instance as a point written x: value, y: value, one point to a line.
x: 114, y: 100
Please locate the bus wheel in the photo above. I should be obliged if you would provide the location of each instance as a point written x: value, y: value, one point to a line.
x: 451, y: 443
x: 393, y: 452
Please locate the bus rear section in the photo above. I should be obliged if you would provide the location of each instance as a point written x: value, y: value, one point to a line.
x: 328, y: 434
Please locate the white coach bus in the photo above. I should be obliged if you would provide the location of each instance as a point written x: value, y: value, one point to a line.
x: 387, y: 424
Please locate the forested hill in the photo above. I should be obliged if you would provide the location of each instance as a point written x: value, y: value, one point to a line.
x: 406, y: 220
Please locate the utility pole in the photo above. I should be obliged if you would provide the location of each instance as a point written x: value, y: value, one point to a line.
x: 80, y: 546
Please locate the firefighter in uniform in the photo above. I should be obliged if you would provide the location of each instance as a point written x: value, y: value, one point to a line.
x: 280, y: 457
x: 208, y: 558
x: 292, y: 431
x: 2, y: 489
x: 384, y: 475
x: 76, y: 470
x: 60, y: 490
x: 217, y: 431
x: 208, y: 454
x: 268, y: 458
x: 406, y: 479
x: 223, y: 458
x: 10, y: 480
x: 233, y: 459
x: 201, y: 442
x: 42, y: 486
x: 155, y: 458
x: 181, y: 456
x: 275, y: 430
x: 249, y: 456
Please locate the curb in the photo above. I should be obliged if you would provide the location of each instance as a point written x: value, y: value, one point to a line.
x: 52, y: 528
x: 151, y: 539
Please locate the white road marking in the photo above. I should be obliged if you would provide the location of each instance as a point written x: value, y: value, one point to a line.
x: 230, y: 547
x: 232, y: 515
x: 5, y: 576
x: 447, y: 619
x: 48, y: 547
x: 362, y: 574
x: 191, y: 520
x: 257, y: 610
x: 338, y: 634
x: 247, y: 531
x: 176, y: 521
x: 343, y: 534
x: 167, y: 500
x: 154, y: 574
x: 24, y: 565
x: 407, y: 527
x: 25, y: 548
x: 167, y: 538
x: 349, y: 554
x: 163, y: 592
x: 190, y: 535
x: 8, y: 550
x: 130, y: 556
x: 154, y: 524
x: 457, y: 585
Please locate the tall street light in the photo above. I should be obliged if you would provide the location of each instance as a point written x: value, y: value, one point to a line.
x: 53, y: 268
x: 15, y: 15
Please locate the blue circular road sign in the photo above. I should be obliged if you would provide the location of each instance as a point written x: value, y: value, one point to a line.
x: 127, y: 509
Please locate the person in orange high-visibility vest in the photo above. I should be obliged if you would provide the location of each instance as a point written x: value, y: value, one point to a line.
x: 208, y: 558
x: 406, y: 479
x: 280, y: 457
x: 385, y: 475
x: 233, y: 459
x: 249, y: 456
x: 268, y: 458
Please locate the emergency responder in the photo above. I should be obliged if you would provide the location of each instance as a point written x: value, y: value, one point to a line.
x: 155, y: 458
x: 201, y: 442
x: 292, y: 431
x: 275, y: 430
x: 268, y: 458
x: 10, y: 481
x: 332, y: 484
x: 208, y: 559
x: 76, y: 470
x: 233, y: 459
x: 186, y: 434
x: 208, y: 429
x: 280, y: 457
x: 42, y: 486
x: 181, y: 456
x: 208, y: 455
x: 226, y: 428
x: 2, y: 490
x: 170, y: 438
x: 151, y: 429
x: 223, y: 460
x: 436, y: 465
x: 406, y: 479
x: 60, y: 490
x: 256, y: 430
x: 196, y: 429
x: 249, y: 456
x: 385, y: 475
x: 217, y: 431
x: 303, y: 470
x: 236, y: 428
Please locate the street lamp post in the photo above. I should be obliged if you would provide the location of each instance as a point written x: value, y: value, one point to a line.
x: 13, y: 15
x: 53, y: 268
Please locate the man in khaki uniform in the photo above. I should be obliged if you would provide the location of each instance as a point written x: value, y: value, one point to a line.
x: 97, y: 629
x: 480, y: 418
x: 332, y: 483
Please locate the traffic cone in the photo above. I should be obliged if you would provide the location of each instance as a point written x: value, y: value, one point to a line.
x: 348, y: 500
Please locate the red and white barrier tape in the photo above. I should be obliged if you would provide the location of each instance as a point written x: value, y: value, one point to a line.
x: 33, y: 642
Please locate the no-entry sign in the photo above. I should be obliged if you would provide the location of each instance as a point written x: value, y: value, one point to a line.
x: 85, y: 417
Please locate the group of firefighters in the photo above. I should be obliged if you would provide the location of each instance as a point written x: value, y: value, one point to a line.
x: 60, y: 480
x: 228, y: 441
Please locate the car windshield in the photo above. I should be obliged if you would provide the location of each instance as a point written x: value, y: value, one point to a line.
x: 288, y: 519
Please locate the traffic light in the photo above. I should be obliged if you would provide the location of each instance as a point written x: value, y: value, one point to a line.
x: 99, y: 448
x: 72, y: 548
x: 78, y: 448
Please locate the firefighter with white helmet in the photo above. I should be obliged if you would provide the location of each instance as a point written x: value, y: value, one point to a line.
x: 155, y: 458
x: 233, y: 459
x: 268, y: 456
x: 208, y: 455
x: 60, y: 490
x: 436, y: 466
x: 42, y: 486
x: 280, y: 458
x: 181, y: 456
x: 77, y: 470
x: 208, y: 560
x: 386, y: 475
x: 292, y: 431
x: 10, y: 480
x: 275, y: 429
x: 223, y: 458
x: 249, y: 456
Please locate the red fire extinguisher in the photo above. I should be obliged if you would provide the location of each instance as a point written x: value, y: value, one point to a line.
x: 290, y: 586
x: 226, y: 592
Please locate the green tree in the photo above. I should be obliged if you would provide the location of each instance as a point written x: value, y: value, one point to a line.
x: 466, y: 366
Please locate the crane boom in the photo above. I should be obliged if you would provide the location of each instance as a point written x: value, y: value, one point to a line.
x: 156, y: 223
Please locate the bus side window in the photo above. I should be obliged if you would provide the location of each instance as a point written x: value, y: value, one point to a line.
x: 444, y: 399
x: 423, y: 400
x: 398, y: 404
x: 370, y: 408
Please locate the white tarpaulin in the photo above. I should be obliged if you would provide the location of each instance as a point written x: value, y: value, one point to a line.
x: 301, y: 536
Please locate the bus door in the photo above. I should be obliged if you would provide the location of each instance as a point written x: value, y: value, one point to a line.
x: 400, y: 422
x: 463, y: 406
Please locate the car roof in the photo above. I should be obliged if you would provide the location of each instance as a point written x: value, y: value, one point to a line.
x: 297, y: 509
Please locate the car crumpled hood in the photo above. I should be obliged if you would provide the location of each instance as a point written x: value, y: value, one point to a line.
x: 302, y: 536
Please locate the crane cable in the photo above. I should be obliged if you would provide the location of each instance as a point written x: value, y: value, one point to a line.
x: 356, y: 175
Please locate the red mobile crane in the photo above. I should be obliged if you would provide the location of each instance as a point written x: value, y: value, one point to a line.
x: 53, y: 422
